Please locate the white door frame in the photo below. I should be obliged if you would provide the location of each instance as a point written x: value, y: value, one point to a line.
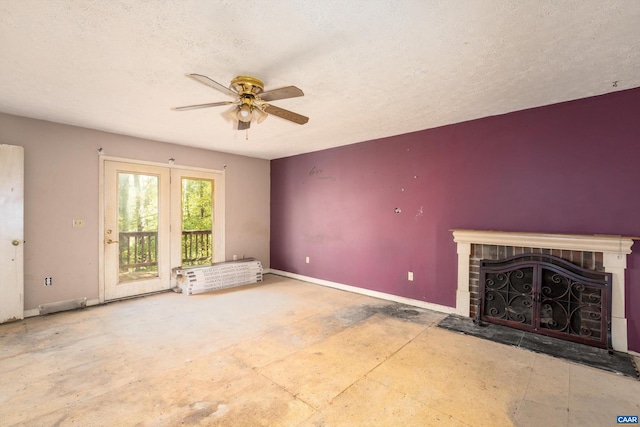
x: 219, y: 201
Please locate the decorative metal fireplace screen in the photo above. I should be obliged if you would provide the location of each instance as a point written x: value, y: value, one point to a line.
x: 547, y: 295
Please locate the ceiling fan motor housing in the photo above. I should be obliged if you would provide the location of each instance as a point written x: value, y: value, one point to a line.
x: 246, y: 85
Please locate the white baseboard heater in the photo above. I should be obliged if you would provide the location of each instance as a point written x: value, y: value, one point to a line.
x: 221, y: 275
x: 55, y: 307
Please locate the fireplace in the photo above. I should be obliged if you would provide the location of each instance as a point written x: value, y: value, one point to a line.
x: 547, y: 295
x: 596, y: 257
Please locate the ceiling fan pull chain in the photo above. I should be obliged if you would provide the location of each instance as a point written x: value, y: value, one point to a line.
x: 246, y: 136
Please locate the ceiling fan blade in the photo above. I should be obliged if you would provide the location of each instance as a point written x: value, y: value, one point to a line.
x: 285, y: 114
x: 282, y: 93
x: 195, y: 107
x: 212, y: 83
x: 243, y: 125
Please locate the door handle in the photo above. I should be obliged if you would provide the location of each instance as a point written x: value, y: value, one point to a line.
x: 15, y: 242
x: 111, y: 241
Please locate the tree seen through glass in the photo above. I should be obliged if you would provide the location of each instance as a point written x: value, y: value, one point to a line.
x: 137, y: 226
x: 197, y: 221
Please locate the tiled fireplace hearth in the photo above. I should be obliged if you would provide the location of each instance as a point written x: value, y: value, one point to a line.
x: 593, y: 252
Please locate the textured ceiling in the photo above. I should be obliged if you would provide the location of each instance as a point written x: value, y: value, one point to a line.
x: 369, y: 69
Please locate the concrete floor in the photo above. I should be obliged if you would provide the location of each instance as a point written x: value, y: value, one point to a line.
x: 286, y: 353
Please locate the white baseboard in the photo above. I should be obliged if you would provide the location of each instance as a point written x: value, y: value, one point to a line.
x: 32, y: 312
x: 368, y: 292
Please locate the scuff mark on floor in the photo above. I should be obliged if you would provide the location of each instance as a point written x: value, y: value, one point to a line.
x: 202, y: 410
x: 353, y: 315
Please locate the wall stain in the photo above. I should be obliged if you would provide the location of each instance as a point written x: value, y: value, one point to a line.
x: 317, y: 171
x: 320, y: 238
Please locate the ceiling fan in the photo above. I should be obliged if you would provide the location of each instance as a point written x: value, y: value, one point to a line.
x: 251, y: 102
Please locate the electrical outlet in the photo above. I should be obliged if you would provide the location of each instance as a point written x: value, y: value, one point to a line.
x: 235, y: 257
x: 77, y: 223
x: 410, y: 276
x: 307, y: 260
x: 48, y: 281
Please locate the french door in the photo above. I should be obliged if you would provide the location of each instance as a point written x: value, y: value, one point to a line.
x: 157, y: 218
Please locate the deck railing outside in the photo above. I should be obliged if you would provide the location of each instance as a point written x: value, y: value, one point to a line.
x: 139, y: 250
x: 196, y: 247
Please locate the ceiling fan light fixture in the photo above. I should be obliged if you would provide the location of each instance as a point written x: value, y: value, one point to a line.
x: 244, y: 113
x: 260, y: 115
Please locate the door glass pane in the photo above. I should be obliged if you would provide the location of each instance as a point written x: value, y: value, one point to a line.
x: 197, y: 221
x: 137, y: 226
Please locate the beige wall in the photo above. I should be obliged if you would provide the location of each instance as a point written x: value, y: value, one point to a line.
x: 61, y: 183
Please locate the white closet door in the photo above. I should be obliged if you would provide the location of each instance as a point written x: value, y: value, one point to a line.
x: 11, y: 233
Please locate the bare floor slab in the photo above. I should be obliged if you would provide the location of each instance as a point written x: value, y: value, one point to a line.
x: 286, y: 353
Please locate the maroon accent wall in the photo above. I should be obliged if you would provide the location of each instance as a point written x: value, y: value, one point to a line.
x: 572, y: 167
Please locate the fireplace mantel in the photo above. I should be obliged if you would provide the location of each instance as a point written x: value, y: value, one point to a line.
x: 614, y: 249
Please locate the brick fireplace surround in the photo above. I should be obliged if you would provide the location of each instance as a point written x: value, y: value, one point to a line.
x: 594, y: 252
